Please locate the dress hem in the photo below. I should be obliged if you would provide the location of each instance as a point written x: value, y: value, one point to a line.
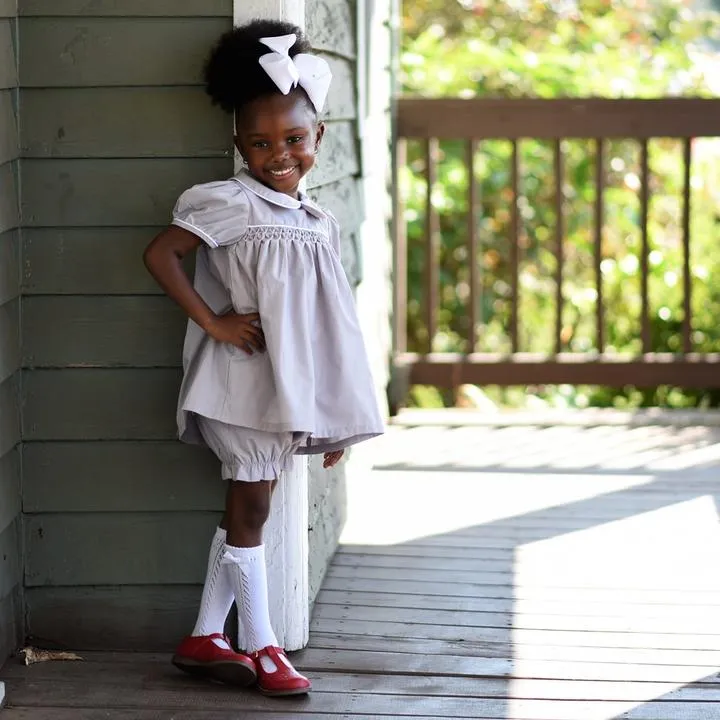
x: 319, y: 432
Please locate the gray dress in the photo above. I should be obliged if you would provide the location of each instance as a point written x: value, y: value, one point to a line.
x: 266, y: 252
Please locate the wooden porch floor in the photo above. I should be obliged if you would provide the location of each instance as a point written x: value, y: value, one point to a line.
x: 517, y: 573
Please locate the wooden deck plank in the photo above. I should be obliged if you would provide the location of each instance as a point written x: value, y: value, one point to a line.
x: 711, y: 582
x: 656, y: 641
x: 530, y: 567
x: 551, y: 522
x: 429, y: 550
x: 184, y: 695
x: 138, y: 675
x: 508, y: 605
x: 379, y: 662
x: 58, y: 713
x: 510, y: 651
x: 399, y: 685
x: 425, y: 551
x: 689, y: 598
x: 697, y: 624
x: 55, y: 713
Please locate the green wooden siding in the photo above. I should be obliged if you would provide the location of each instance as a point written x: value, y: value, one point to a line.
x: 66, y: 261
x: 109, y: 192
x: 134, y: 616
x: 72, y: 549
x: 11, y: 631
x: 8, y: 73
x: 124, y: 330
x: 127, y: 8
x: 165, y: 122
x: 63, y: 477
x: 116, y: 125
x: 100, y: 404
x: 64, y: 52
x: 9, y: 417
x: 8, y: 197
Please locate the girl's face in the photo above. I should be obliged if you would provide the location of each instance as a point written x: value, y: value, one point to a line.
x: 279, y: 135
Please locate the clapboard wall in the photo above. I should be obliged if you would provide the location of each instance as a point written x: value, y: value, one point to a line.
x: 114, y: 126
x: 10, y: 520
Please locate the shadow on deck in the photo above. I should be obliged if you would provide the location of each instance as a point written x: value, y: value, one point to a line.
x: 518, y: 573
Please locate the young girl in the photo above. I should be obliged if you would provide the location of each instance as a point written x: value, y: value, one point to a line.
x: 274, y: 362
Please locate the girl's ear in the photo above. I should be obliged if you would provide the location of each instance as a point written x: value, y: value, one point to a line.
x: 319, y: 135
x: 236, y: 140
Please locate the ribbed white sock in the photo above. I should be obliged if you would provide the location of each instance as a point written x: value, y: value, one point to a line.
x: 217, y: 596
x: 248, y: 579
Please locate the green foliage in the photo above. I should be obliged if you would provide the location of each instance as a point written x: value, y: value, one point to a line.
x: 514, y: 48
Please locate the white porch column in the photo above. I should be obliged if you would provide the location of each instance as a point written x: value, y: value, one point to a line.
x: 291, y: 10
x: 286, y: 534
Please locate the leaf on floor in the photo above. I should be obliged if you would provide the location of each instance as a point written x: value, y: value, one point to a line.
x: 33, y: 655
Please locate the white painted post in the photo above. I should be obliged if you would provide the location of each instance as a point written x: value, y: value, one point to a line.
x: 286, y: 545
x: 291, y: 10
x: 286, y: 534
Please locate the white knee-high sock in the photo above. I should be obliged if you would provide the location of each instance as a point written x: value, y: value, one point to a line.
x: 217, y: 596
x: 247, y: 572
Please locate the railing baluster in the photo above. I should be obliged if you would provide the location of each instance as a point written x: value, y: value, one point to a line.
x: 432, y: 238
x: 473, y: 214
x: 599, y: 222
x: 687, y: 278
x: 559, y: 234
x: 400, y: 279
x: 514, y: 245
x: 645, y: 247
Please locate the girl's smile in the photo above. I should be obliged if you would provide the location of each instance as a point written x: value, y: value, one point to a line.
x: 286, y: 174
x: 283, y: 173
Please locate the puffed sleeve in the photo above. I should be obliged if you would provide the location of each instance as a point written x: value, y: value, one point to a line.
x: 216, y: 212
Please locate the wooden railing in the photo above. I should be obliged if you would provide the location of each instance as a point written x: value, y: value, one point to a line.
x: 597, y: 120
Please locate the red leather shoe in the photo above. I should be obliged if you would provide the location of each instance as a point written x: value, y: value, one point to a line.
x: 204, y: 657
x: 275, y: 674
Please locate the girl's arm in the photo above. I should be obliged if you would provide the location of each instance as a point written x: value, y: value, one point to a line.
x: 163, y: 258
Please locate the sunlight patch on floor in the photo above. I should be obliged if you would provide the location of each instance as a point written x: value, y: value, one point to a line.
x: 390, y: 507
x: 673, y: 547
x: 656, y: 566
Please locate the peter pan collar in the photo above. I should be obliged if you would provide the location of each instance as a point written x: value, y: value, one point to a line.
x: 277, y: 198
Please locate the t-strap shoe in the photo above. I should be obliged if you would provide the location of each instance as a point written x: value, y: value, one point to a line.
x: 275, y: 674
x: 211, y: 656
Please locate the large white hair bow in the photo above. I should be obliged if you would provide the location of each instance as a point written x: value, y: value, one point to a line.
x: 312, y: 73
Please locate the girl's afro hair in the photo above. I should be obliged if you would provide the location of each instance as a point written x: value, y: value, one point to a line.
x: 233, y: 75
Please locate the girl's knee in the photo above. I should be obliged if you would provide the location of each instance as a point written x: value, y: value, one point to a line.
x: 255, y: 516
x: 249, y: 504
